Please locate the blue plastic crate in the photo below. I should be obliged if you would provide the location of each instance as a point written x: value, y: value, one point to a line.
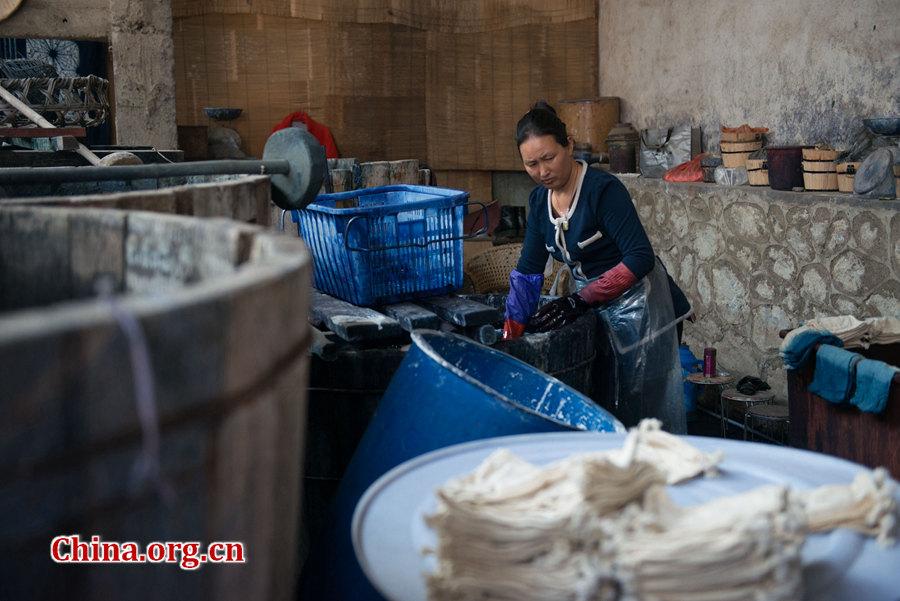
x: 398, y: 243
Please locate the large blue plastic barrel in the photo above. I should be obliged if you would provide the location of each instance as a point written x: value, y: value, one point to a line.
x: 448, y: 389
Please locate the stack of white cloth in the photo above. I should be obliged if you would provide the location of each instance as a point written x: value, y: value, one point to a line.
x: 601, y: 526
x: 856, y: 333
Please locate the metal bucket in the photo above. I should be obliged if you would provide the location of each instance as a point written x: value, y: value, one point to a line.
x: 448, y: 390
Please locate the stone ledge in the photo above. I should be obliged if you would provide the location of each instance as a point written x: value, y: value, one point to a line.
x: 768, y: 194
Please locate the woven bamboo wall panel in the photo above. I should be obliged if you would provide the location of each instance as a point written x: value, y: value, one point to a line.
x: 366, y: 82
x: 480, y: 84
x: 476, y: 183
x: 386, y: 91
x: 433, y: 15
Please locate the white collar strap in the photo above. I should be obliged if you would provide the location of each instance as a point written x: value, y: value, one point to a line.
x: 561, y: 223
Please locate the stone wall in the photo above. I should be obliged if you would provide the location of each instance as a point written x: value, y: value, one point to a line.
x: 806, y: 69
x: 754, y: 261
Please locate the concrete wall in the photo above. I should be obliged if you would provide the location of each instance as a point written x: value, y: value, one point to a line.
x: 755, y: 260
x: 807, y: 69
x: 140, y: 37
x: 143, y: 72
x: 71, y: 19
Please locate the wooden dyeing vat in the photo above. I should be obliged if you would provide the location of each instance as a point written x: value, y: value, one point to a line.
x: 222, y: 306
x: 245, y: 198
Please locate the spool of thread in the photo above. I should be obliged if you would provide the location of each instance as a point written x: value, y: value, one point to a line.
x: 709, y: 362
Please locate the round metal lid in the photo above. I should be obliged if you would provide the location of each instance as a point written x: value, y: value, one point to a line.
x: 875, y: 169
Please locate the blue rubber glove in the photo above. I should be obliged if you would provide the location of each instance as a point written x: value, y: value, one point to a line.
x: 524, y: 293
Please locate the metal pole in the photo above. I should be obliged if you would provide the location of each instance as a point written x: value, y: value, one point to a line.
x: 56, y: 175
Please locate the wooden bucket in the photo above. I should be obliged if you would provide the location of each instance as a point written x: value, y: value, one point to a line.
x: 741, y: 136
x: 757, y: 174
x: 590, y: 120
x: 815, y: 180
x: 735, y: 154
x: 222, y: 307
x: 819, y: 174
x: 740, y: 146
x: 819, y: 154
x: 845, y: 175
x: 735, y: 159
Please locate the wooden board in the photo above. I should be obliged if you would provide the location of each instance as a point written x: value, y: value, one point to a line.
x: 350, y: 322
x: 42, y: 132
x: 461, y: 311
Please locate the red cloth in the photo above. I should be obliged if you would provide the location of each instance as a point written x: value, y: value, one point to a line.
x: 609, y: 286
x: 321, y: 132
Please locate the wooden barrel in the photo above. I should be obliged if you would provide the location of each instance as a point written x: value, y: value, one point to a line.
x: 735, y: 154
x: 845, y: 175
x: 819, y: 174
x: 819, y: 154
x: 757, y: 172
x: 222, y: 308
x: 735, y: 136
x: 590, y: 120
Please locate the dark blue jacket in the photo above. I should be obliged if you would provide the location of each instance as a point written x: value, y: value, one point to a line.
x: 603, y: 231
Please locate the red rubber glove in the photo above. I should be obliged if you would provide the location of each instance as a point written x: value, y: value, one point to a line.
x: 512, y: 329
x: 609, y: 286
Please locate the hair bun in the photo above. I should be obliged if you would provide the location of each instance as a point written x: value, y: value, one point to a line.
x: 543, y: 106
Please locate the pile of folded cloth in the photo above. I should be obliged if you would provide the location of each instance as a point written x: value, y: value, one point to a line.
x: 842, y: 330
x: 859, y: 333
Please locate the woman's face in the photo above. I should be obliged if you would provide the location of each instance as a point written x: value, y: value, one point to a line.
x: 546, y: 161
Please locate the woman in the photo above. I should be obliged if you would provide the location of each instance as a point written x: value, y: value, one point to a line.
x: 585, y: 218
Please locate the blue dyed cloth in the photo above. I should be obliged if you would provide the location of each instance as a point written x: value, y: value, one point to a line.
x: 835, y: 373
x: 796, y: 353
x: 524, y: 294
x: 873, y: 385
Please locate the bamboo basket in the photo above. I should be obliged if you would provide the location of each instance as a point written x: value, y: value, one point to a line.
x: 845, y: 175
x: 741, y: 136
x: 813, y: 180
x: 735, y: 159
x: 741, y: 146
x: 757, y: 173
x: 819, y: 154
x: 489, y: 271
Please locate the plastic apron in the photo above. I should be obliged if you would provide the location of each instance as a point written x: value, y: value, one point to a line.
x: 637, y: 373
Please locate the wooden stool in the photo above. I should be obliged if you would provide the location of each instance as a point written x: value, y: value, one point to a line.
x: 772, y: 416
x: 718, y: 381
x: 747, y: 401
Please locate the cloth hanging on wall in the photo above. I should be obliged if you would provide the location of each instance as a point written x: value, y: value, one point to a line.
x: 321, y: 132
